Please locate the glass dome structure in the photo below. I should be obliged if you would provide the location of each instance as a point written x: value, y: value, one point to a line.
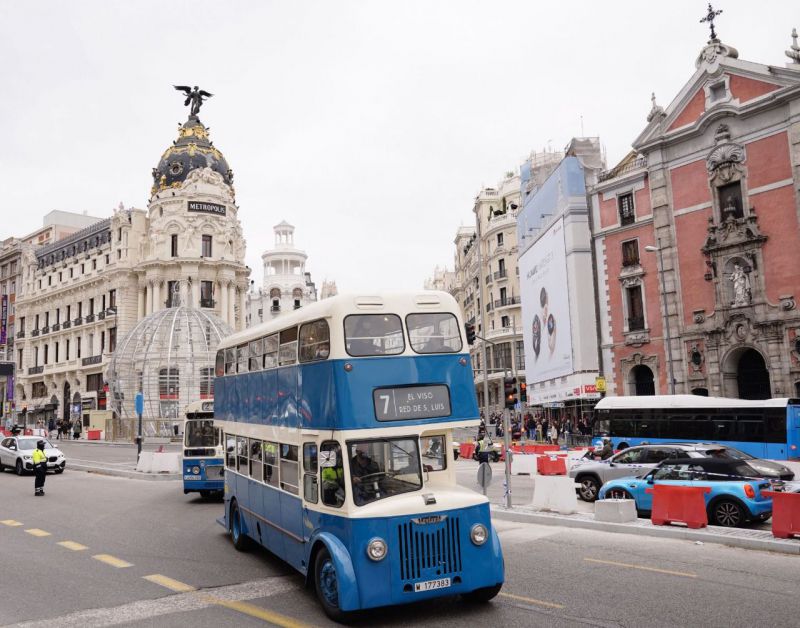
x: 169, y: 356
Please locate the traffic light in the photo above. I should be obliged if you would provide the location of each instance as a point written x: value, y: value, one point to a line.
x: 523, y: 392
x: 469, y: 328
x: 510, y: 391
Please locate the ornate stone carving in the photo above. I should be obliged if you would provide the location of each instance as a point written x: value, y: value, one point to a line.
x: 637, y: 338
x: 742, y: 293
x: 723, y: 157
x: 787, y: 303
x: 699, y: 316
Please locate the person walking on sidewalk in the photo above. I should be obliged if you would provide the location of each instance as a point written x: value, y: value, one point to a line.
x: 39, y: 468
x: 76, y: 429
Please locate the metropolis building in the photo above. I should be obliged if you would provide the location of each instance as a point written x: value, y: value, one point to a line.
x: 84, y: 292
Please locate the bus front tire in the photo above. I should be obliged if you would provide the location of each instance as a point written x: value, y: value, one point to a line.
x: 326, y: 584
x: 481, y: 596
x: 239, y: 538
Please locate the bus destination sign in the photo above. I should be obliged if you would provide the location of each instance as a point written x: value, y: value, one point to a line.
x: 206, y: 208
x: 411, y: 402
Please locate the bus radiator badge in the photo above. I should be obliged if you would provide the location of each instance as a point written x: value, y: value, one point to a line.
x: 421, y: 521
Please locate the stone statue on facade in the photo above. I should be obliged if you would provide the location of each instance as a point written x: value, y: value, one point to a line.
x: 741, y: 286
x: 194, y: 96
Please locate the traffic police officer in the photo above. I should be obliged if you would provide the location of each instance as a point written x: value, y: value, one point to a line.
x: 39, y: 468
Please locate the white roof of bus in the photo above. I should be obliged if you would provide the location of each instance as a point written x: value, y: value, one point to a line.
x: 648, y: 402
x: 343, y: 304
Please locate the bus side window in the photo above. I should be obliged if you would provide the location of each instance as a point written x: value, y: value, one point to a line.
x: 230, y: 361
x: 219, y: 364
x: 271, y: 351
x: 255, y: 459
x: 270, y: 455
x: 314, y: 341
x: 241, y: 358
x: 433, y: 453
x: 289, y: 469
x: 255, y: 355
x: 230, y: 451
x: 241, y: 454
x: 332, y: 476
x: 310, y: 485
x: 288, y: 352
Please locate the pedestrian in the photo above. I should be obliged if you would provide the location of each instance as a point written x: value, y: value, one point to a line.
x: 554, y: 434
x: 76, y: 429
x: 51, y: 427
x: 39, y: 468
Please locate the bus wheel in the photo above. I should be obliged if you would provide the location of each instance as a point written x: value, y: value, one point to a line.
x: 238, y: 536
x: 326, y: 584
x: 481, y: 596
x: 205, y: 494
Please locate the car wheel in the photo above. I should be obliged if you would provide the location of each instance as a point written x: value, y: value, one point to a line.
x: 2, y: 468
x: 618, y: 493
x: 727, y: 513
x: 59, y: 470
x: 589, y: 488
x: 481, y: 596
x: 239, y: 538
x: 18, y: 468
x: 326, y: 584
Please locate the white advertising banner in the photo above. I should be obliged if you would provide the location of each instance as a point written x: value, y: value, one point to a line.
x: 546, y: 329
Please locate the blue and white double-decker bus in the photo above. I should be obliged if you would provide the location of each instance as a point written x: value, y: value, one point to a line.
x: 203, y: 461
x: 338, y: 419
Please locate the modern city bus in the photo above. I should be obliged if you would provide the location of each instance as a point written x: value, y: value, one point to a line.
x: 338, y: 419
x: 203, y: 460
x: 767, y: 428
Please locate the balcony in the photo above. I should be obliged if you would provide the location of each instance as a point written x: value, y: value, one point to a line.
x: 488, y: 278
x: 21, y: 333
x: 501, y: 274
x: 78, y: 321
x: 55, y: 327
x: 101, y: 315
x: 489, y: 307
x: 35, y: 333
x: 622, y: 169
x: 275, y: 309
x: 507, y: 301
x: 111, y: 311
x: 35, y: 370
x: 90, y: 318
x: 66, y: 324
x: 504, y: 331
x: 45, y: 330
x: 94, y: 359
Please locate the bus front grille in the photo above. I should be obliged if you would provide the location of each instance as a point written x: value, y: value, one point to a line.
x: 429, y: 549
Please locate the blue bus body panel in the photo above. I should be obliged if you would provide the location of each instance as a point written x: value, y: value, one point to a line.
x: 770, y: 451
x: 793, y: 432
x: 418, y: 552
x: 322, y: 395
x: 199, y: 482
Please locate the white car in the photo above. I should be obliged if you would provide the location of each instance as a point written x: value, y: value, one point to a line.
x: 16, y: 452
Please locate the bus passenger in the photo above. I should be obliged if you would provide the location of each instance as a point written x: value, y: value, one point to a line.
x: 363, y: 343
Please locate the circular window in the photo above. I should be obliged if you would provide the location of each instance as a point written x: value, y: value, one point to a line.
x: 176, y: 168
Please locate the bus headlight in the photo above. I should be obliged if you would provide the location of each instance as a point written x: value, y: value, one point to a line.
x: 376, y: 549
x: 196, y: 470
x: 478, y: 534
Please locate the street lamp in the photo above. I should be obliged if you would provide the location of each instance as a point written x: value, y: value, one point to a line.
x: 653, y: 249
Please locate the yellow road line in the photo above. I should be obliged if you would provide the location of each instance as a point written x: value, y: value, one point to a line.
x: 72, y: 545
x: 11, y: 523
x: 37, y: 532
x: 259, y: 613
x: 683, y: 574
x: 111, y: 560
x: 169, y: 583
x: 530, y: 600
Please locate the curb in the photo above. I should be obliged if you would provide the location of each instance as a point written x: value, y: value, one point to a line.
x: 122, y: 473
x: 685, y: 534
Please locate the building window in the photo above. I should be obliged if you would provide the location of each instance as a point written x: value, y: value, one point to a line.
x: 46, y: 353
x: 112, y: 299
x: 19, y: 359
x: 78, y: 347
x: 80, y: 309
x: 174, y: 245
x: 520, y: 355
x: 206, y: 294
x: 207, y: 382
x: 730, y: 200
x: 499, y: 239
x: 635, y: 308
x: 102, y: 342
x: 505, y: 321
x: 297, y: 304
x: 276, y: 305
x: 91, y: 306
x: 630, y: 253
x: 58, y: 315
x: 206, y: 249
x: 94, y: 264
x: 66, y: 350
x: 625, y: 204
x: 71, y: 273
x: 38, y: 390
x: 22, y: 324
x: 36, y: 356
x: 112, y: 339
x: 502, y: 355
x: 56, y: 353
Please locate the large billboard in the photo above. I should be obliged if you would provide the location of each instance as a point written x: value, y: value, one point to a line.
x: 546, y: 328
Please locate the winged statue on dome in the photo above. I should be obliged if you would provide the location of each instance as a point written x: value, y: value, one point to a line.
x: 195, y: 96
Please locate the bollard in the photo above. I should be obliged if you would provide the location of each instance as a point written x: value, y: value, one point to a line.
x: 785, y: 514
x: 679, y: 504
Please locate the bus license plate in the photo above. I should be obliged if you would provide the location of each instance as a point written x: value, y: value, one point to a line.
x: 430, y: 585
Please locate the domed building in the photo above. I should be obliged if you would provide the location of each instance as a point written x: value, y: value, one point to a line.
x: 169, y: 357
x: 84, y: 292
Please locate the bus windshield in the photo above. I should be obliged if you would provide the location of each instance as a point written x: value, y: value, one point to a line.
x: 381, y: 468
x: 200, y: 433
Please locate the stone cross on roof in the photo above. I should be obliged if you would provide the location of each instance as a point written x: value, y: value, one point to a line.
x: 710, y: 19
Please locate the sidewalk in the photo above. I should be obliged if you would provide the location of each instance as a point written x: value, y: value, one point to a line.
x: 733, y: 537
x: 116, y: 459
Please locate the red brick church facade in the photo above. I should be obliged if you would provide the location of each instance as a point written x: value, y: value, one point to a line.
x: 713, y: 182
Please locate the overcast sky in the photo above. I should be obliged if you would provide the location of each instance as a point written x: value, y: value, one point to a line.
x: 370, y: 126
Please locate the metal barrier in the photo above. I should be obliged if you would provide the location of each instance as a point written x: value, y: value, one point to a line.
x: 127, y: 429
x: 579, y: 440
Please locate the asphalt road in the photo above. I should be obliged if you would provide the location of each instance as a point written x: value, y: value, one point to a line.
x: 60, y: 562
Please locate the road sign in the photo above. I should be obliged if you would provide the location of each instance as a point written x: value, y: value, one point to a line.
x: 484, y: 475
x: 139, y: 403
x: 600, y: 384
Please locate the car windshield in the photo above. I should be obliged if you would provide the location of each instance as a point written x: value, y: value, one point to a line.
x: 728, y: 452
x: 200, y: 433
x: 381, y: 468
x: 30, y: 443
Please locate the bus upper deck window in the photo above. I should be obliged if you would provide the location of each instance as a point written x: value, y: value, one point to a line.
x: 434, y: 333
x: 373, y: 334
x: 315, y: 341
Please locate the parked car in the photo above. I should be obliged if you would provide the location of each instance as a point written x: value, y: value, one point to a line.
x: 16, y: 452
x: 767, y: 468
x: 735, y: 496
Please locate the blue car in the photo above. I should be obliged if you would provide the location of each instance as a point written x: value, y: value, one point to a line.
x: 735, y: 496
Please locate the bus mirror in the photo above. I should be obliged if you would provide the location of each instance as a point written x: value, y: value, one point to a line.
x: 327, y: 459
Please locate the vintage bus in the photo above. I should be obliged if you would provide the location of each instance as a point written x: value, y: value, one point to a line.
x: 203, y: 462
x: 338, y: 419
x: 767, y: 428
